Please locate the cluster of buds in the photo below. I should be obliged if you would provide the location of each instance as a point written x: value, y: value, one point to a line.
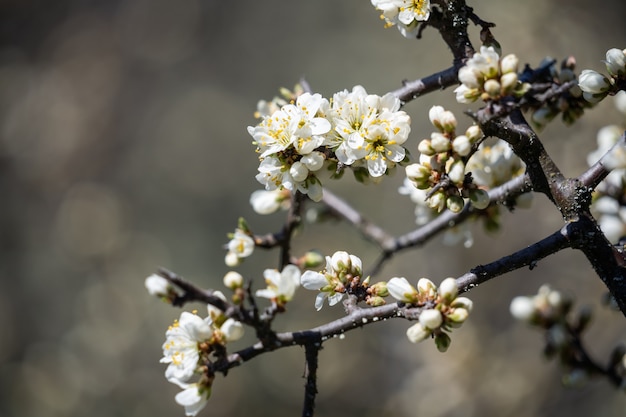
x: 546, y: 307
x: 441, y: 168
x: 489, y: 78
x: 550, y: 310
x: 342, y: 275
x: 596, y: 86
x: 569, y: 103
x: 440, y: 309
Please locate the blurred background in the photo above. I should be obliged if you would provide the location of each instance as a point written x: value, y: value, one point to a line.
x: 123, y: 147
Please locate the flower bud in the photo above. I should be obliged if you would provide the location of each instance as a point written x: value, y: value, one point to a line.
x: 468, y: 77
x: 593, y: 82
x: 401, y: 290
x: 474, y: 133
x: 233, y: 280
x: 437, y: 201
x: 462, y: 145
x: 462, y: 302
x: 448, y: 289
x: 492, y: 88
x: 380, y: 289
x: 232, y: 330
x: 299, y: 171
x: 431, y: 318
x: 439, y: 142
x: 479, y: 198
x: 375, y: 301
x: 458, y: 315
x: 313, y: 161
x: 158, y: 286
x: 312, y: 259
x: 443, y: 120
x: 426, y: 287
x: 425, y: 148
x: 615, y: 62
x: 417, y: 333
x: 418, y: 173
x: 509, y: 64
x: 509, y: 82
x: 455, y: 203
x: 457, y: 172
x: 232, y: 260
x: 340, y: 261
x: 523, y: 308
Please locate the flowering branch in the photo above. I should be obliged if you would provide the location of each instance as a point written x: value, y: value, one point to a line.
x: 304, y: 139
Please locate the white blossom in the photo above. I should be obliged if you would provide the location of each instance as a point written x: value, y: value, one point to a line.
x: 281, y: 286
x: 194, y: 398
x: 241, y: 244
x: 367, y: 127
x: 406, y: 14
x: 400, y: 289
x: 180, y: 349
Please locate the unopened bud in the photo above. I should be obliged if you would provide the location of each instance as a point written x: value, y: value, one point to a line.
x: 455, y: 203
x: 437, y: 201
x: 593, y: 82
x: 312, y: 259
x: 492, y: 88
x: 380, y: 288
x: 474, y: 133
x: 417, y: 333
x: 375, y: 301
x: 616, y: 62
x: 233, y: 280
x: 479, y: 198
x: 509, y: 64
x: 509, y: 82
x: 431, y: 318
x: 462, y: 145
x: 458, y: 315
x: 448, y: 289
x: 424, y: 147
x: 457, y: 172
x: 439, y: 142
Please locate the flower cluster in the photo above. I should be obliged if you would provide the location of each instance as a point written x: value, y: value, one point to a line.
x: 488, y: 77
x: 596, y: 86
x: 342, y: 272
x: 353, y: 129
x: 441, y: 168
x: 188, y: 345
x: 569, y: 103
x: 459, y: 233
x: 441, y: 308
x: 405, y: 14
x: 547, y: 306
x: 609, y: 203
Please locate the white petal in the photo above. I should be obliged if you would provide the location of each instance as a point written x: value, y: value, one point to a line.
x: 313, y: 280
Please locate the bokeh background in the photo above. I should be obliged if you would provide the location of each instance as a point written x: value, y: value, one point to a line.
x: 123, y: 147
